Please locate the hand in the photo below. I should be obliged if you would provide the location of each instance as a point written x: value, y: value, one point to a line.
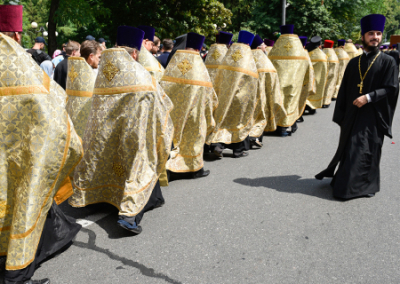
x: 360, y: 101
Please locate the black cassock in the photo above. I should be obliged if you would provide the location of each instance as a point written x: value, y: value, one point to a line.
x: 362, y: 129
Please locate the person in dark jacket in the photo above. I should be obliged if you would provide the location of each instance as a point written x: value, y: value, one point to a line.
x: 168, y: 44
x: 61, y: 71
x: 37, y: 51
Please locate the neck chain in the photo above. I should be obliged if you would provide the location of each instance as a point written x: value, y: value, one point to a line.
x: 361, y: 76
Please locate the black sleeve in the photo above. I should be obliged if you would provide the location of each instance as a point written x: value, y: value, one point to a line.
x: 390, y: 82
x: 46, y: 56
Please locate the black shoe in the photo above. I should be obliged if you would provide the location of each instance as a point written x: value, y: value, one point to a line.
x: 201, y: 173
x: 256, y: 143
x: 294, y: 128
x: 370, y: 195
x: 136, y: 229
x: 43, y: 281
x: 218, y: 154
x: 241, y: 155
x: 312, y: 111
x: 325, y: 106
x: 333, y: 99
x: 301, y: 119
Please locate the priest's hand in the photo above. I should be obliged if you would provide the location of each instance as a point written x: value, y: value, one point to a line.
x: 360, y: 101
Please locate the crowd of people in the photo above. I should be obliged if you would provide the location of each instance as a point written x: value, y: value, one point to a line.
x: 94, y: 125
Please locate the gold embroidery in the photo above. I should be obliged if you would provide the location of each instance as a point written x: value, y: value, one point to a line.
x: 236, y: 56
x: 118, y: 169
x: 4, y: 208
x: 216, y: 55
x: 184, y: 66
x: 288, y: 46
x: 72, y: 74
x: 255, y: 59
x: 110, y: 71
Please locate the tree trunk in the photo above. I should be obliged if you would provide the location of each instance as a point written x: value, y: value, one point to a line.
x: 52, y: 26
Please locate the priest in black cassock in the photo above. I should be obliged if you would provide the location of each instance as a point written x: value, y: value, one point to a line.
x: 364, y: 111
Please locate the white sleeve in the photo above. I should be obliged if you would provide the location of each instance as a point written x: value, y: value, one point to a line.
x: 368, y: 97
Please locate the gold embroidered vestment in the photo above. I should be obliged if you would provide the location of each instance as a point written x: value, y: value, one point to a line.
x: 343, y: 61
x: 320, y: 65
x: 236, y: 88
x: 214, y: 58
x: 269, y: 109
x: 188, y: 85
x: 333, y: 72
x: 38, y: 149
x: 151, y: 64
x: 289, y: 59
x: 127, y: 139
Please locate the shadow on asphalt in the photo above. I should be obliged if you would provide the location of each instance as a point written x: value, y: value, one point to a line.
x: 146, y: 271
x: 292, y: 184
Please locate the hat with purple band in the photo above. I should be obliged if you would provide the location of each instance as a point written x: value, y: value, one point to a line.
x: 149, y: 32
x: 287, y: 29
x: 130, y: 37
x: 245, y: 37
x: 194, y: 41
x: 224, y: 37
x: 373, y: 22
x: 257, y: 41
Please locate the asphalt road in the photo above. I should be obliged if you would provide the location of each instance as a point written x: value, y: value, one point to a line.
x: 258, y: 219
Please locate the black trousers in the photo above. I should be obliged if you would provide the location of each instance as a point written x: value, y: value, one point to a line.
x: 58, y: 232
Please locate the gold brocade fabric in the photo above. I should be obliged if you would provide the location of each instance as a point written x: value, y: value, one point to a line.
x: 188, y: 85
x: 214, y: 58
x: 269, y: 109
x: 343, y: 61
x: 127, y: 138
x: 38, y: 149
x: 309, y: 85
x: 351, y: 49
x: 320, y: 65
x: 289, y: 59
x: 268, y: 49
x: 151, y: 64
x: 333, y: 72
x: 236, y: 88
x: 80, y: 84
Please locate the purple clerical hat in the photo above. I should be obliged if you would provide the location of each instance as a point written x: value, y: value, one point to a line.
x: 257, y: 41
x: 303, y: 40
x: 224, y: 37
x: 269, y: 42
x: 148, y: 32
x: 195, y: 41
x: 130, y: 36
x: 245, y: 37
x: 287, y: 29
x: 341, y: 42
x: 373, y: 22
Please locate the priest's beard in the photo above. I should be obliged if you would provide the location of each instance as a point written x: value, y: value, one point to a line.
x: 371, y: 48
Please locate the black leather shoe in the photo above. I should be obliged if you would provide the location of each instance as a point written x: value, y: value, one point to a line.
x: 43, y: 281
x: 218, y: 154
x: 325, y: 106
x: 294, y: 128
x: 301, y: 119
x: 255, y: 143
x: 370, y: 195
x: 241, y: 155
x: 312, y: 111
x: 136, y: 229
x: 333, y: 99
x: 201, y: 173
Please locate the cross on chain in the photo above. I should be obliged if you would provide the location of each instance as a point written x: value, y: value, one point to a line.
x: 360, y: 86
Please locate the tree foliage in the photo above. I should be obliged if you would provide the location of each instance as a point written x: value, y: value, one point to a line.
x: 75, y: 19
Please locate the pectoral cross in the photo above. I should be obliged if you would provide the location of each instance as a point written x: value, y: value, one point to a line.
x: 360, y: 86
